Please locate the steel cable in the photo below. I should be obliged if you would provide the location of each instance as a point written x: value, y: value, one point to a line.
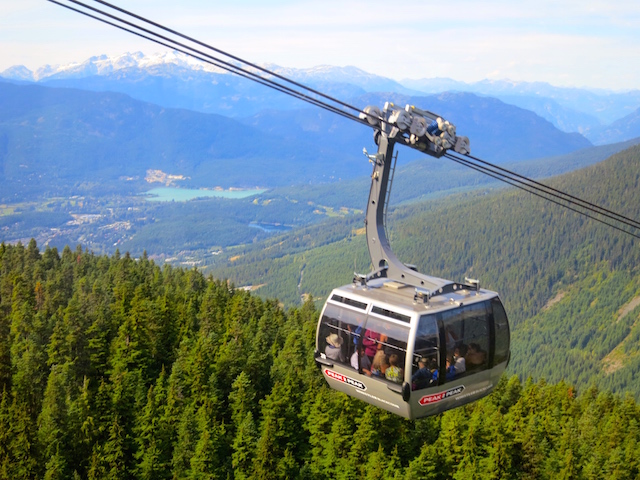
x: 173, y: 44
x: 535, y: 191
x: 499, y: 173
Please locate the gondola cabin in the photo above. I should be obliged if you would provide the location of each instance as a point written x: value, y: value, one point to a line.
x: 411, y: 355
x: 413, y: 344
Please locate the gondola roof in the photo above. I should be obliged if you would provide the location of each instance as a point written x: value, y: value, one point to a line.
x: 403, y: 297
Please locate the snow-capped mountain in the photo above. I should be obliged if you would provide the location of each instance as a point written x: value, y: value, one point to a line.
x: 323, y: 74
x: 104, y: 65
x: 173, y: 79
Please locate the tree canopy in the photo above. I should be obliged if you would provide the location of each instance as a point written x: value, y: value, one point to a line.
x: 112, y: 367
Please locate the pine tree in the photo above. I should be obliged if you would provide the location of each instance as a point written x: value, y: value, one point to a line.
x: 100, y: 333
x: 244, y: 445
x: 498, y: 463
x: 23, y: 453
x: 53, y: 425
x: 82, y: 430
x: 185, y: 443
x: 376, y: 466
x: 5, y: 435
x: 28, y: 355
x: 428, y: 465
x: 207, y: 461
x: 242, y: 403
x: 153, y: 435
x: 56, y: 467
x: 115, y: 452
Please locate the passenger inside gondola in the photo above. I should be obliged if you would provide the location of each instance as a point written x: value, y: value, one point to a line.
x: 423, y: 377
x: 475, y: 356
x: 333, y: 350
x: 356, y: 330
x: 450, y: 369
x: 390, y: 344
x: 394, y: 373
x: 458, y: 359
x: 360, y: 361
x: 380, y: 364
x: 370, y: 343
x: 433, y: 366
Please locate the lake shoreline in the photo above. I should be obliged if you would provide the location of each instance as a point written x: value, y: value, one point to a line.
x: 173, y: 194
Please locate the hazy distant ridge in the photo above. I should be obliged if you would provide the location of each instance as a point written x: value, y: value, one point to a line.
x: 175, y: 80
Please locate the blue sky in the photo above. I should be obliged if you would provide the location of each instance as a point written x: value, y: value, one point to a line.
x: 568, y: 43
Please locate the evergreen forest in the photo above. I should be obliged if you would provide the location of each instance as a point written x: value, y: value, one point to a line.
x: 116, y: 368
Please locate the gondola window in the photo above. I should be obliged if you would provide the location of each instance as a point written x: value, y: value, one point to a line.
x: 426, y: 354
x: 467, y: 339
x: 501, y: 332
x: 340, y: 331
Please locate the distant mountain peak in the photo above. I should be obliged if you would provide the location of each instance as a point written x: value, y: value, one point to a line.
x: 104, y: 65
x: 18, y: 72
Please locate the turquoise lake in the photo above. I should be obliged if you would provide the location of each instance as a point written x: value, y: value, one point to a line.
x: 169, y: 194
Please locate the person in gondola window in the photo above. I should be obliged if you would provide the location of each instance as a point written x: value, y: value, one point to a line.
x: 423, y: 377
x: 394, y: 372
x: 459, y: 361
x: 370, y: 343
x: 475, y: 356
x: 379, y: 364
x: 450, y: 371
x: 333, y: 349
x: 360, y: 361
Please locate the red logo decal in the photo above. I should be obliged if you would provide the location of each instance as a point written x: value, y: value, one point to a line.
x: 344, y: 379
x: 436, y: 397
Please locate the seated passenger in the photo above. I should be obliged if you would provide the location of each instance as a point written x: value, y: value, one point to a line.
x: 433, y: 366
x: 422, y: 377
x: 333, y: 349
x: 364, y: 364
x: 475, y: 356
x: 394, y: 373
x: 390, y: 344
x: 450, y: 370
x: 380, y: 364
x: 458, y: 359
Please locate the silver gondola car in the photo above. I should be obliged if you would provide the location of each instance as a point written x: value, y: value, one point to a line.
x: 383, y: 320
x: 409, y: 343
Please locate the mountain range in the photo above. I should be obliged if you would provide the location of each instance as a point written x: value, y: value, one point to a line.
x: 175, y: 80
x: 61, y: 136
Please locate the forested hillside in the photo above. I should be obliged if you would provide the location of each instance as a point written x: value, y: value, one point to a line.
x: 114, y: 368
x: 527, y: 249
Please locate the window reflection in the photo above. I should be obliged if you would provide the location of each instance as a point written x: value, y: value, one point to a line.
x: 340, y: 330
x: 425, y: 354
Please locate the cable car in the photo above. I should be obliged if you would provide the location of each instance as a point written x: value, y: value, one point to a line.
x: 410, y: 343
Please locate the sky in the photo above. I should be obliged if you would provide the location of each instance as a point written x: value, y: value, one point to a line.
x: 592, y: 44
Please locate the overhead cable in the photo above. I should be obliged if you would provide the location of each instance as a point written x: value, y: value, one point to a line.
x: 190, y: 51
x: 487, y: 168
x: 566, y: 196
x: 496, y: 172
x: 535, y: 191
